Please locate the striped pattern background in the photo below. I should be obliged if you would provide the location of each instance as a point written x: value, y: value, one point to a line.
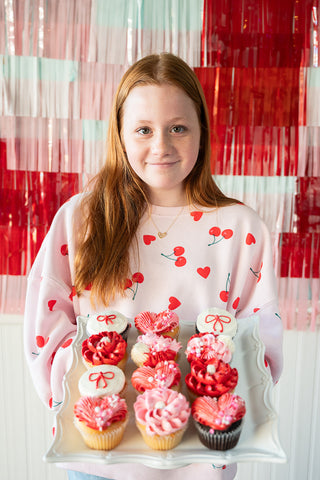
x: 258, y: 63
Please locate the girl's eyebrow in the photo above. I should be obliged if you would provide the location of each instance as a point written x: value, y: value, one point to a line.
x: 171, y: 120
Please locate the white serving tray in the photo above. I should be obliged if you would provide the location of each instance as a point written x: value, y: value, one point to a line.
x: 259, y: 439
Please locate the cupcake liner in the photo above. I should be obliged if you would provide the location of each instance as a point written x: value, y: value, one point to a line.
x: 219, y: 440
x: 159, y: 442
x: 105, y: 440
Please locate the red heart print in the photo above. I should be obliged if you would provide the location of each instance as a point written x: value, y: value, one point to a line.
x: 204, y: 272
x: 174, y: 303
x: 148, y: 239
x: 236, y: 303
x: 64, y: 250
x: 250, y: 239
x: 51, y: 304
x: 196, y: 215
x: 67, y: 343
x: 73, y: 293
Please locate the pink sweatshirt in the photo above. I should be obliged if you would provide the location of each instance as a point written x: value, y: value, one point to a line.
x: 209, y: 258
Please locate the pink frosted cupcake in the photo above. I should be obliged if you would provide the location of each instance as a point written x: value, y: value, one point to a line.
x: 165, y: 374
x: 105, y: 348
x: 213, y: 378
x: 101, y: 421
x: 163, y: 323
x: 219, y: 420
x: 151, y: 349
x: 162, y: 417
x: 205, y: 346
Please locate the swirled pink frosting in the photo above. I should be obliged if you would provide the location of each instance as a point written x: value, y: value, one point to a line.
x: 98, y: 413
x: 205, y: 346
x: 157, y: 323
x: 163, y: 411
x: 165, y: 374
x: 218, y: 413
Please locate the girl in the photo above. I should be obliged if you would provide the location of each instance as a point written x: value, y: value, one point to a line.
x: 153, y: 232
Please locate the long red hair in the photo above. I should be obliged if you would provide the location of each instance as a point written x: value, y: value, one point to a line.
x: 113, y: 208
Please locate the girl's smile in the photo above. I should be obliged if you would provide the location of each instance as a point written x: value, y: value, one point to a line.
x: 161, y: 136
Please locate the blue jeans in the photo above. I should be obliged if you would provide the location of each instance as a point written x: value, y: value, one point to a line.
x: 73, y: 475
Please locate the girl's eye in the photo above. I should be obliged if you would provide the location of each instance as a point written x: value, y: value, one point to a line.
x: 144, y: 130
x: 178, y: 129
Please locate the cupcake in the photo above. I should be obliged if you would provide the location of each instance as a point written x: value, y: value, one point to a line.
x: 205, y: 346
x: 219, y: 420
x: 101, y: 421
x: 109, y: 321
x: 213, y: 378
x: 105, y: 348
x: 163, y: 323
x: 151, y: 349
x: 102, y: 380
x: 165, y: 374
x: 162, y: 417
x: 216, y: 321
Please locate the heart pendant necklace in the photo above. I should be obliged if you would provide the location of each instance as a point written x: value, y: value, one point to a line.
x: 164, y: 234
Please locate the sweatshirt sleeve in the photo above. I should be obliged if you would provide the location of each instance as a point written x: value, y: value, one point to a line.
x: 259, y: 294
x: 50, y: 320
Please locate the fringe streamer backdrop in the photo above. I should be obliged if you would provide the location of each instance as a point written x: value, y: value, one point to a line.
x: 257, y: 60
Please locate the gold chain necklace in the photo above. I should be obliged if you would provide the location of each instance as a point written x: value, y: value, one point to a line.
x: 164, y: 234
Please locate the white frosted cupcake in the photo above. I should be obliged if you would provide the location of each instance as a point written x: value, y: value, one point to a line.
x: 217, y: 321
x: 108, y: 321
x: 102, y: 380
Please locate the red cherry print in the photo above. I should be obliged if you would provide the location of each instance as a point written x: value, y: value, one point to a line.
x: 196, y: 215
x: 227, y: 233
x: 138, y: 277
x: 64, y: 250
x: 148, y: 239
x: 50, y: 402
x: 51, y: 304
x: 41, y: 342
x: 224, y: 295
x: 266, y: 363
x: 215, y: 231
x: 67, y: 343
x: 256, y: 310
x: 178, y: 251
x: 204, y: 272
x: 180, y: 262
x: 128, y: 283
x: 250, y: 239
x: 174, y: 303
x: 236, y: 303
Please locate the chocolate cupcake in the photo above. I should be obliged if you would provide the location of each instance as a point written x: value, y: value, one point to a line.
x: 219, y: 421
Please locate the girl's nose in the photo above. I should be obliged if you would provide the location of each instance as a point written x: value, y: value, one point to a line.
x: 161, y: 144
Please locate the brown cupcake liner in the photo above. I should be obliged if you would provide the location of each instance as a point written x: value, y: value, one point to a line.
x: 219, y: 440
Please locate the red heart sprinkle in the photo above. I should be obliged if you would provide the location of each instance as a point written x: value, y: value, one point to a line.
x: 174, y: 303
x: 148, y: 239
x: 250, y: 239
x: 196, y: 215
x: 51, y: 304
x: 204, y: 272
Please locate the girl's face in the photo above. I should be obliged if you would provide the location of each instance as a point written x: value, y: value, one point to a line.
x: 161, y: 136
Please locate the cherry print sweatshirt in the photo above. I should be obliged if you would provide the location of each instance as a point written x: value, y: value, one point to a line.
x: 209, y: 258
